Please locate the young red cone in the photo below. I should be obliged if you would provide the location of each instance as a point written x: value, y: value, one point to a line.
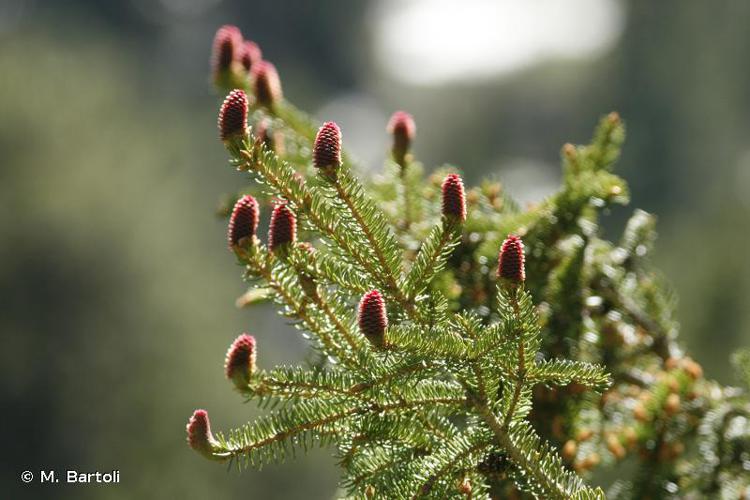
x: 327, y: 147
x: 511, y: 265
x: 372, y: 317
x: 233, y: 116
x: 282, y: 229
x: 250, y: 55
x: 199, y: 435
x: 225, y: 56
x: 266, y: 83
x: 401, y: 126
x: 239, y: 364
x: 454, y: 200
x: 226, y: 48
x: 243, y: 222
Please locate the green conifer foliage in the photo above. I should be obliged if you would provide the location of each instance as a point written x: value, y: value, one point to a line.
x: 455, y: 372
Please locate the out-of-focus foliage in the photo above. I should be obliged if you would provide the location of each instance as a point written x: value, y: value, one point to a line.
x: 111, y: 294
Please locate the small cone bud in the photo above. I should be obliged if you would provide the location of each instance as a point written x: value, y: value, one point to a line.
x: 243, y: 222
x: 327, y: 147
x: 283, y: 228
x: 569, y: 450
x: 250, y: 55
x: 671, y: 363
x: 569, y: 151
x: 464, y: 487
x: 199, y: 435
x: 673, y: 384
x: 613, y: 118
x: 239, y: 364
x: 640, y: 413
x: 589, y: 462
x: 672, y: 404
x: 233, y: 116
x: 372, y: 318
x: 584, y: 434
x: 266, y: 83
x: 226, y: 48
x: 401, y: 126
x: 631, y: 437
x: 370, y: 491
x: 693, y: 369
x: 615, y: 447
x: 225, y: 56
x: 511, y: 265
x: 454, y: 200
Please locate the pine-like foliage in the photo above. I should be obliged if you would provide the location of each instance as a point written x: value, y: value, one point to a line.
x: 469, y: 380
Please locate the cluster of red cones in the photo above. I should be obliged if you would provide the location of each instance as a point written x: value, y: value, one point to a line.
x: 230, y: 52
x: 243, y: 225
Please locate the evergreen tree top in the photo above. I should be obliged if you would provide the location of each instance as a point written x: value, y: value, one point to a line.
x: 469, y: 348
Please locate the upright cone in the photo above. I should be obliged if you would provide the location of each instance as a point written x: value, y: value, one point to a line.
x: 454, y: 199
x: 233, y: 117
x: 243, y: 222
x: 402, y: 128
x: 266, y: 83
x: 327, y: 147
x: 372, y: 318
x: 282, y: 230
x: 239, y: 364
x: 225, y: 57
x: 199, y: 435
x: 511, y: 266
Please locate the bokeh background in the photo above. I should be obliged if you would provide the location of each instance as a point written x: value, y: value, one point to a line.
x: 116, y: 289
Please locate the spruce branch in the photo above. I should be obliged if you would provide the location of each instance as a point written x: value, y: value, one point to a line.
x: 308, y: 279
x: 564, y: 372
x: 282, y: 178
x: 534, y: 458
x: 281, y: 278
x: 441, y: 342
x: 375, y: 230
x: 457, y: 454
x: 268, y: 438
x: 293, y: 384
x: 431, y: 258
x: 439, y: 377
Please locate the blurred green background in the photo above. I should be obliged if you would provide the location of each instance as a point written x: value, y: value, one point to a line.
x: 117, y: 289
